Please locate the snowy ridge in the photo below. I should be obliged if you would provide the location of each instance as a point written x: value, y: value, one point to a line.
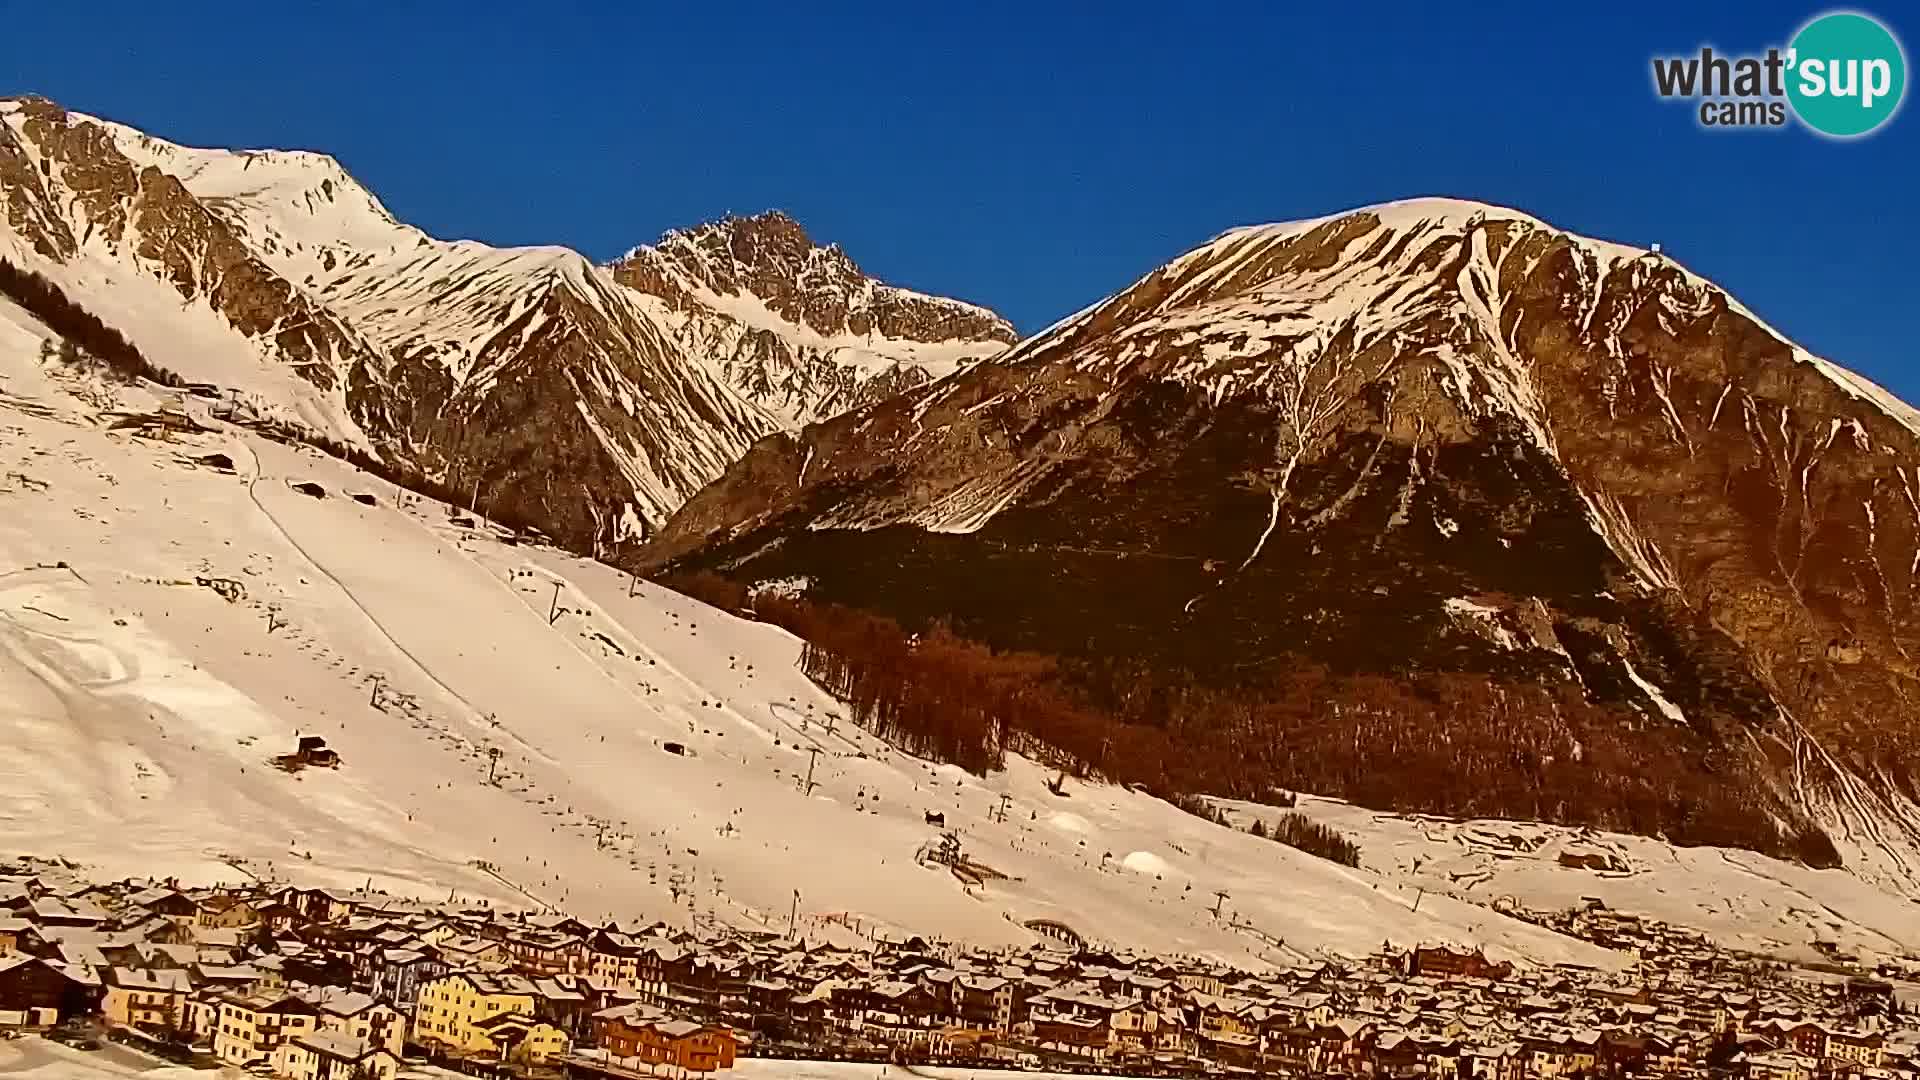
x: 792, y: 370
x: 298, y: 293
x: 411, y: 293
x: 827, y: 265
x: 1266, y: 307
x: 1238, y: 297
x: 119, y: 273
x: 446, y: 302
x: 305, y: 205
x: 277, y: 277
x: 1851, y: 381
x: 1303, y: 312
x: 108, y: 274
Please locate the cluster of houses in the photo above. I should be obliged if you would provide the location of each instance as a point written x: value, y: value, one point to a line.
x: 322, y: 984
x: 1623, y: 931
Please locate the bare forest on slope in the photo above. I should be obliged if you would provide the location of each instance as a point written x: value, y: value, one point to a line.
x: 1441, y: 743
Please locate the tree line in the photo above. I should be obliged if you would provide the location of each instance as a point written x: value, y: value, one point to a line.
x: 1464, y: 745
x: 45, y: 301
x: 1301, y: 831
x: 1293, y: 829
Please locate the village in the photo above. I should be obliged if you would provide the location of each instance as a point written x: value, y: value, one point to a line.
x: 328, y: 984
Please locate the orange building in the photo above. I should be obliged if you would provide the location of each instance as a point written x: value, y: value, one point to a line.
x: 681, y: 1044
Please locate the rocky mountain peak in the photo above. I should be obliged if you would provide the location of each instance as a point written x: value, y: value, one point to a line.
x: 1419, y: 440
x: 800, y: 329
x: 768, y: 257
x: 770, y: 241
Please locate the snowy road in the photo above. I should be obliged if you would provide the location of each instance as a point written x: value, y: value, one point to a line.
x: 35, y: 1058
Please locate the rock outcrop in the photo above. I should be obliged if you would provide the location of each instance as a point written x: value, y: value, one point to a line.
x: 799, y: 328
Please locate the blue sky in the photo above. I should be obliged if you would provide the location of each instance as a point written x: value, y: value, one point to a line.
x: 1029, y: 156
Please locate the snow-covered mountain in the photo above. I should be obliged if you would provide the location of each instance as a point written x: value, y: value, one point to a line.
x: 799, y: 328
x: 178, y: 606
x: 1427, y: 437
x: 528, y: 376
x: 1676, y: 556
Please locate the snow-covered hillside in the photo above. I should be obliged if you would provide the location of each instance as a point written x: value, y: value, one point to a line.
x: 168, y: 624
x: 278, y: 279
x: 1741, y: 899
x: 142, y: 704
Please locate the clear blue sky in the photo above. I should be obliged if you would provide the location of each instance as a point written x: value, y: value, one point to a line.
x: 1029, y: 156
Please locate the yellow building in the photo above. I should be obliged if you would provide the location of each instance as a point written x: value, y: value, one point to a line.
x: 154, y: 1000
x: 252, y: 1028
x: 485, y: 1015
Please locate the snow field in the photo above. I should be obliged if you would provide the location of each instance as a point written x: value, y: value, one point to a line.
x: 146, y: 707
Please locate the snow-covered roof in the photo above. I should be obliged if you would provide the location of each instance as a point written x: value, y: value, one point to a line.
x: 126, y: 978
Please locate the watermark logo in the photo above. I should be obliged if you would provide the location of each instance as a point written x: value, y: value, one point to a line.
x: 1843, y: 75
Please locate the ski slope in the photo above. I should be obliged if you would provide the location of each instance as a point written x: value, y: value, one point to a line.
x: 139, y: 705
x: 1739, y: 898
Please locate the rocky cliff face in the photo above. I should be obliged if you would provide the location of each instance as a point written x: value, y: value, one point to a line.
x: 798, y: 328
x: 528, y: 376
x: 1430, y: 438
x: 73, y: 190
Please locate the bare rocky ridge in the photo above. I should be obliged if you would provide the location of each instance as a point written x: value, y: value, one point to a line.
x: 771, y: 256
x: 799, y: 328
x: 528, y: 377
x: 1431, y: 437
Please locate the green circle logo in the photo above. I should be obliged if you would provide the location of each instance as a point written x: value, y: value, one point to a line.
x: 1847, y: 74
